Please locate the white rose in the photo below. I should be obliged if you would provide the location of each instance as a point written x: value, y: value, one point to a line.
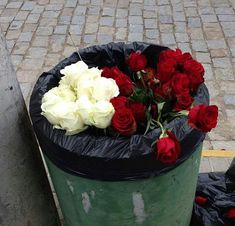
x: 72, y: 73
x: 102, y: 114
x: 64, y: 115
x: 85, y: 109
x: 85, y: 88
x: 105, y: 89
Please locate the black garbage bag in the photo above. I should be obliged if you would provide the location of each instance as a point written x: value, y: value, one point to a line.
x: 219, y: 201
x: 99, y: 156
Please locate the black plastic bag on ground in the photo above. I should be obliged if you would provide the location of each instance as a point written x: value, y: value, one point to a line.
x: 219, y: 200
x: 102, y: 157
x: 230, y: 177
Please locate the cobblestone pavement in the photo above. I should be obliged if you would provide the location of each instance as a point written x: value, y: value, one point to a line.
x: 37, y: 37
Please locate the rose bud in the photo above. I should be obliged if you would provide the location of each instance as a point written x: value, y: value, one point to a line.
x: 137, y: 61
x: 200, y: 200
x: 125, y: 85
x: 203, y: 117
x: 119, y: 102
x: 124, y: 122
x: 168, y: 148
x: 138, y: 110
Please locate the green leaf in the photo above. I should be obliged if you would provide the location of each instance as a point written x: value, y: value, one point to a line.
x: 160, y: 107
x: 139, y: 95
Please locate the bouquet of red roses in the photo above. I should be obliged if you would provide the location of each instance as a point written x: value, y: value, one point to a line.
x: 125, y: 105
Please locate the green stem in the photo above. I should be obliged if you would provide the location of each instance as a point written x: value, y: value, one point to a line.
x: 161, y: 127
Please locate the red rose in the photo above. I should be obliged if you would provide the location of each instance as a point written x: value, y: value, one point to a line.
x: 183, y: 58
x: 119, y: 102
x: 150, y: 74
x: 231, y: 213
x: 167, y: 54
x: 203, y: 117
x: 124, y: 84
x: 168, y: 148
x: 195, y: 71
x: 184, y: 102
x: 124, y: 122
x: 112, y: 72
x: 165, y: 70
x: 201, y: 200
x: 138, y: 110
x: 180, y: 83
x: 137, y: 61
x: 164, y: 91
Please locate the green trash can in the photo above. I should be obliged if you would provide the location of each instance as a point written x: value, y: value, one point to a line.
x: 117, y: 181
x: 165, y: 200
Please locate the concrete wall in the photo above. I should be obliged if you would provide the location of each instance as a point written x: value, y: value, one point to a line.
x: 25, y: 196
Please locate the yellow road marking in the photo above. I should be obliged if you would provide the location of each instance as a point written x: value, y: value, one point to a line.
x: 219, y: 153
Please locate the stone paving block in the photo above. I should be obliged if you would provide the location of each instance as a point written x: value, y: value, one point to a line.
x: 152, y: 34
x: 209, y: 18
x: 89, y: 39
x: 76, y: 29
x: 71, y: 3
x: 149, y: 14
x: 199, y: 46
x: 80, y: 10
x: 191, y: 12
x: 179, y: 16
x: 168, y: 39
x: 196, y: 34
x: 26, y: 76
x: 216, y: 44
x: 194, y: 22
x: 26, y: 90
x: 208, y: 72
x: 32, y: 64
x: 229, y: 99
x: 224, y: 74
x: 61, y: 29
x: 226, y: 17
x: 221, y: 62
x: 135, y: 11
x: 227, y: 87
x: 10, y: 44
x: 135, y: 37
x: 48, y: 22
x: 68, y: 50
x: 56, y: 43
x: 40, y: 41
x: 136, y: 28
x: 107, y: 21
x: 15, y: 25
x: 218, y: 164
x: 94, y: 10
x: 91, y: 28
x: 185, y: 47
x: 121, y: 23
x: 166, y: 28
x: 84, y: 2
x: 78, y: 20
x: 33, y: 18
x: 205, y: 166
x: 180, y: 27
x: 92, y: 18
x: 108, y: 11
x: 181, y: 37
x: 164, y: 10
x: 16, y: 60
x: 30, y: 27
x: 121, y: 13
x: 104, y: 38
x: 36, y: 52
x: 44, y: 30
x: 150, y: 23
x: 165, y: 19
x: 51, y: 14
x: 20, y: 48
x: 74, y: 40
x: 53, y: 7
x: 67, y: 12
x: 25, y: 37
x: 12, y: 34
x: 219, y: 53
x: 224, y: 11
x: 38, y: 9
x: 135, y: 20
x: 230, y: 113
x: 121, y: 34
x: 22, y: 15
x: 14, y: 5
x: 203, y: 57
x: 28, y: 5
x: 64, y: 20
x: 106, y: 30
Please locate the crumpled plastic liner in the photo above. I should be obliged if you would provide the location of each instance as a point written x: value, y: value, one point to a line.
x: 213, y: 187
x: 98, y: 156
